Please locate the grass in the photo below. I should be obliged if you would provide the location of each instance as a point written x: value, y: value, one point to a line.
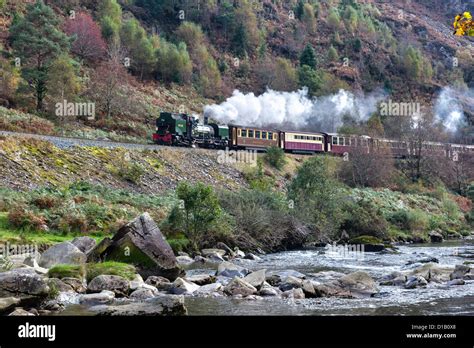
x: 110, y: 268
x: 67, y: 271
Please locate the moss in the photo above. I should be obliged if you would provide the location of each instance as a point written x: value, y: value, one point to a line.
x: 67, y: 271
x: 178, y: 244
x: 110, y: 268
x: 365, y: 240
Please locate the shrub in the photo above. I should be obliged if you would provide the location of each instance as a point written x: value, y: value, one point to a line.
x: 365, y: 240
x: 275, y: 156
x: 25, y: 219
x: 131, y: 172
x: 364, y: 219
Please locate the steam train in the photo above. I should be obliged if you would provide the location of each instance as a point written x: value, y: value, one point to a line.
x: 184, y: 130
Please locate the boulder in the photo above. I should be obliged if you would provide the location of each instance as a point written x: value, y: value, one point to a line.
x: 435, y: 237
x: 104, y: 297
x: 238, y: 253
x: 209, y: 289
x: 432, y: 273
x: 84, y: 244
x: 424, y: 260
x: 209, y: 252
x: 169, y: 305
x: 225, y: 247
x: 274, y: 278
x: 359, y: 284
x: 456, y: 281
x: 201, y: 279
x: 184, y: 260
x: 62, y: 253
x: 269, y: 291
x: 395, y: 278
x: 97, y: 253
x: 228, y: 269
x: 217, y: 258
x: 250, y: 256
x: 291, y: 283
x: 415, y: 282
x: 161, y: 283
x: 20, y: 312
x: 118, y: 285
x: 308, y: 289
x: 256, y: 279
x: 58, y: 285
x: 183, y: 287
x: 23, y: 283
x: 297, y: 294
x: 141, y: 243
x: 76, y: 284
x: 142, y: 294
x: 239, y: 287
x: 459, y: 272
x: 8, y: 303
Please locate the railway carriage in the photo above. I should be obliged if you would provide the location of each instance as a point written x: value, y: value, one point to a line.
x: 339, y: 144
x: 303, y: 142
x: 252, y: 138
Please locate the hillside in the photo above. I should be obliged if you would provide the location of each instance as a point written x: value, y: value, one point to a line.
x: 182, y: 61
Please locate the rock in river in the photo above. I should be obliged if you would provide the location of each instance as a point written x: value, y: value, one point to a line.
x: 256, y: 279
x: 239, y: 287
x: 183, y: 287
x: 84, y: 244
x: 228, y: 269
x: 62, y: 253
x: 140, y: 242
x: 169, y: 305
x: 116, y: 284
x: 23, y: 283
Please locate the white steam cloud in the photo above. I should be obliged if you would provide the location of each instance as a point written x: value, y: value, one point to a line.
x: 294, y: 109
x: 449, y: 107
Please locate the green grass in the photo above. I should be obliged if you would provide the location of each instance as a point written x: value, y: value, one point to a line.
x: 67, y: 271
x: 110, y: 268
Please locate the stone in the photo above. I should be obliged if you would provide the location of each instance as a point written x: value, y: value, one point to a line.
x: 183, y: 287
x: 228, y: 269
x: 394, y: 279
x: 217, y: 258
x: 435, y: 237
x: 459, y: 272
x: 225, y: 247
x: 77, y: 285
x: 360, y: 284
x: 424, y: 260
x: 456, y: 281
x: 144, y: 294
x: 268, y: 291
x: 238, y: 253
x: 20, y: 312
x: 84, y: 244
x: 274, y: 278
x: 308, y: 289
x: 64, y: 253
x: 58, y: 285
x: 290, y: 283
x: 103, y: 297
x: 23, y: 283
x: 209, y: 289
x: 415, y: 281
x: 118, y: 285
x: 201, y: 279
x: 208, y: 252
x: 147, y: 249
x: 296, y: 294
x: 97, y: 254
x: 238, y: 286
x: 8, y: 303
x: 169, y: 305
x: 256, y: 279
x: 432, y: 273
x: 184, y: 260
x: 250, y: 256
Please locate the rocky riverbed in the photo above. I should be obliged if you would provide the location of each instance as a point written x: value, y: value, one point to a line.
x: 410, y: 279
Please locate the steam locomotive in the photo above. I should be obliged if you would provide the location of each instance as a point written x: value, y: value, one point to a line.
x: 185, y: 130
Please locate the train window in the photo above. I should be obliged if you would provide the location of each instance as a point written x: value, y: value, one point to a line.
x: 264, y: 135
x: 297, y: 137
x: 250, y: 133
x: 239, y: 133
x: 274, y: 137
x: 270, y: 135
x: 257, y: 134
x: 341, y: 141
x: 334, y: 140
x: 244, y: 133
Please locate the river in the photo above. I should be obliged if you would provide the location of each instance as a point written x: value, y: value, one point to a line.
x: 435, y: 299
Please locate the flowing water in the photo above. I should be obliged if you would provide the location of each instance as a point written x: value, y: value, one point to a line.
x: 435, y: 299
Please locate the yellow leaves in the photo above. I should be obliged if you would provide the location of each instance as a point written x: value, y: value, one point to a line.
x: 463, y: 25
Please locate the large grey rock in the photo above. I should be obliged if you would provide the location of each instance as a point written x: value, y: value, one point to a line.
x: 103, y: 297
x: 142, y: 294
x: 459, y: 272
x: 169, y: 305
x: 360, y: 284
x: 8, y: 303
x: 20, y: 312
x: 268, y: 290
x: 415, y: 282
x: 308, y: 289
x: 432, y: 273
x: 84, y: 244
x: 209, y: 289
x: 239, y: 287
x: 141, y: 243
x: 256, y: 279
x: 23, y: 283
x: 184, y: 260
x: 435, y: 237
x: 62, y: 253
x: 456, y: 282
x: 77, y: 285
x: 183, y: 287
x: 201, y: 279
x: 274, y: 278
x: 161, y: 283
x: 228, y: 269
x: 119, y: 285
x: 291, y: 283
x: 209, y: 252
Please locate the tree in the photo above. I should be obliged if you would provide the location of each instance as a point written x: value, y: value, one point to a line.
x: 275, y: 156
x: 308, y: 57
x: 240, y: 42
x: 110, y: 14
x: 299, y: 9
x: 173, y: 62
x: 201, y: 210
x: 333, y: 56
x: 310, y: 78
x: 351, y: 18
x: 317, y: 196
x: 37, y: 41
x: 309, y: 18
x: 9, y: 80
x: 334, y: 21
x: 139, y: 48
x: 88, y: 42
x: 63, y: 83
x: 285, y: 76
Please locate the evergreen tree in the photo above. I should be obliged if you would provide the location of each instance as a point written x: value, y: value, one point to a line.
x: 333, y: 56
x: 308, y: 57
x: 240, y: 41
x: 309, y: 78
x: 299, y: 9
x: 110, y: 14
x: 37, y: 41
